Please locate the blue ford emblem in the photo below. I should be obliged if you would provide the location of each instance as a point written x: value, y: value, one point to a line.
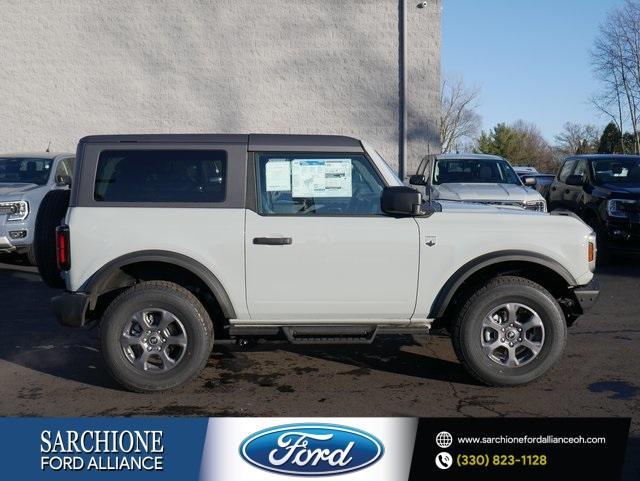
x: 311, y: 449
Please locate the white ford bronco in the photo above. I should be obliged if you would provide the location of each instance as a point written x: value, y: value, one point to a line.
x: 165, y: 240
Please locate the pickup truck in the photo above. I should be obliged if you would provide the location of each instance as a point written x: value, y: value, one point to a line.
x: 24, y: 181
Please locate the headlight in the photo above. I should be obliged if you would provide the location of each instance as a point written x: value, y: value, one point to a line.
x: 619, y: 207
x: 537, y: 205
x: 15, y: 210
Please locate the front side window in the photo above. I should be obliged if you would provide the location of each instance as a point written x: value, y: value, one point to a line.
x: 311, y: 184
x: 566, y: 170
x: 581, y: 168
x: 474, y: 171
x: 15, y: 170
x: 65, y: 167
x: 170, y: 176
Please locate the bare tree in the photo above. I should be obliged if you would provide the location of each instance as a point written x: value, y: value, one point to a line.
x: 459, y: 121
x: 577, y: 139
x: 616, y: 62
x: 535, y: 150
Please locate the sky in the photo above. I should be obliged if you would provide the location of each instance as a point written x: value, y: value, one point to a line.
x: 529, y: 58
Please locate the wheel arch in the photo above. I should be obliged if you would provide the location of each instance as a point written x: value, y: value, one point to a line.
x: 530, y: 264
x: 122, y: 271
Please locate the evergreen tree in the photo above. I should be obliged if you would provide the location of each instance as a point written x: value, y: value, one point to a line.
x: 611, y: 140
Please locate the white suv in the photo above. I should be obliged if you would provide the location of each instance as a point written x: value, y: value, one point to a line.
x: 168, y: 239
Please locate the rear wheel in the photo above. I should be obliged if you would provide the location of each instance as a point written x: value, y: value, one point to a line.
x: 155, y: 336
x: 509, y: 332
x: 51, y: 212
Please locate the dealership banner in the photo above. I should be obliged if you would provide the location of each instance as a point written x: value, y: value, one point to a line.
x: 384, y: 449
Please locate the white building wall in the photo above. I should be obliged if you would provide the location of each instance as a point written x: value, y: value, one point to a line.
x: 74, y: 68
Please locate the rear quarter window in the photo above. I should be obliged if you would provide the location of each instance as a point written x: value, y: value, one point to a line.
x: 163, y: 176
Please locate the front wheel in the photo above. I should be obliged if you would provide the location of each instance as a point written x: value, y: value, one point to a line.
x: 155, y: 336
x: 509, y: 332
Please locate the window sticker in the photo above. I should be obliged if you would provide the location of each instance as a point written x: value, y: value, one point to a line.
x: 278, y: 173
x: 321, y: 178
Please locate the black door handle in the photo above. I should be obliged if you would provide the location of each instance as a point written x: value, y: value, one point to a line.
x: 273, y: 241
x: 567, y: 191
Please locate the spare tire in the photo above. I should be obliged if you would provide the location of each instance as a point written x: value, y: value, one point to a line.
x: 51, y: 213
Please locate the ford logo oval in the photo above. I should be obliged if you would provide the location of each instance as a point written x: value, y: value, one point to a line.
x: 311, y: 449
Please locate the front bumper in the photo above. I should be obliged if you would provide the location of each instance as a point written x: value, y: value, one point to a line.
x: 8, y: 231
x: 6, y: 245
x: 587, y: 295
x: 70, y: 308
x: 624, y: 235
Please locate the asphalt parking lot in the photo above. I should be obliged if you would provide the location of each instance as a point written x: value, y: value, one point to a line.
x: 48, y: 370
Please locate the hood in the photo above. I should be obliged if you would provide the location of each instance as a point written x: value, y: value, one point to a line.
x: 9, y: 190
x: 631, y: 190
x: 469, y: 207
x: 483, y: 192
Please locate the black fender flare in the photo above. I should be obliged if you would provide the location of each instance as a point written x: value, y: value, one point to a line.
x: 96, y: 284
x: 450, y: 287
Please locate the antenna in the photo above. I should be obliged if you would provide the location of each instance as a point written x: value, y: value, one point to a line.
x: 48, y: 147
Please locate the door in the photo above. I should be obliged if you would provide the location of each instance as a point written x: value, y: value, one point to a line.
x: 318, y: 246
x: 557, y: 191
x: 573, y: 193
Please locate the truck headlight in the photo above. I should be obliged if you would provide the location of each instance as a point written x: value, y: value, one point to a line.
x: 619, y: 207
x: 537, y: 205
x: 15, y: 210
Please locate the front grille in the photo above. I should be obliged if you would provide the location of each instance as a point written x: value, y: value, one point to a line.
x: 502, y: 203
x: 630, y: 207
x: 538, y: 206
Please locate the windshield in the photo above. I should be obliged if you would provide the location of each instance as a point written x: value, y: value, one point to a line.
x: 24, y: 170
x: 474, y: 171
x: 616, y: 171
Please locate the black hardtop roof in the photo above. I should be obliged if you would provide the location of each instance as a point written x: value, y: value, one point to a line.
x: 255, y: 142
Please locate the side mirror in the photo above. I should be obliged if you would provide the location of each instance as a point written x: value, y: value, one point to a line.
x: 419, y: 179
x: 63, y: 180
x: 401, y: 200
x: 575, y: 180
x: 529, y: 181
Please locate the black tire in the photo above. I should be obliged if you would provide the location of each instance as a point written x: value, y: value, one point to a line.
x: 156, y: 295
x: 51, y: 212
x: 468, y: 331
x: 30, y: 257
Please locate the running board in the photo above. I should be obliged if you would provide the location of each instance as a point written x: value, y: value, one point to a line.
x: 330, y: 334
x: 336, y: 334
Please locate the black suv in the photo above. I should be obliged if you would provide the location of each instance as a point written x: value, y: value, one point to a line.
x: 604, y: 190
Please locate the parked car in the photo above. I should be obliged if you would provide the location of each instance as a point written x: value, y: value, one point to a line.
x: 24, y: 181
x: 313, y: 239
x: 481, y: 178
x: 604, y: 190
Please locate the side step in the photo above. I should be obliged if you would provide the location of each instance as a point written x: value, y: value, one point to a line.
x: 336, y: 334
x: 330, y: 334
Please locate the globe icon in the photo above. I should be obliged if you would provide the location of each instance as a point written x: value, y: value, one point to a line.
x: 444, y: 439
